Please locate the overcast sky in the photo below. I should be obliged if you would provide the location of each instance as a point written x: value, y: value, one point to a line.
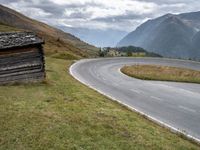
x: 123, y: 15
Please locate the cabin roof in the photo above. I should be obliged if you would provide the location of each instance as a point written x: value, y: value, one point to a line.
x: 18, y: 39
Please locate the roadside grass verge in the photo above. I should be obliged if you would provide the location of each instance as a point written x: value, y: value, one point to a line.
x: 64, y: 114
x: 162, y: 73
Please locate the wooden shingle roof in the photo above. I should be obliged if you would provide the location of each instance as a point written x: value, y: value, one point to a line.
x: 18, y: 39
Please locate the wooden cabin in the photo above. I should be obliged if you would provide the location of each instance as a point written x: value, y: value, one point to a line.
x: 21, y: 58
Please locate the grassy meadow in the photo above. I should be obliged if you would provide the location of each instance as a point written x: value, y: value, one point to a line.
x: 61, y: 113
x: 162, y: 73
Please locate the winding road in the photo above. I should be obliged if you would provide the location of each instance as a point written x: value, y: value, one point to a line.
x: 174, y: 105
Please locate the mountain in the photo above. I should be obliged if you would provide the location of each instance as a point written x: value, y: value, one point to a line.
x: 97, y: 37
x: 56, y: 40
x: 169, y: 35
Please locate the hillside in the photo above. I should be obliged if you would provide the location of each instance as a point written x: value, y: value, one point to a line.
x: 61, y: 113
x: 56, y: 40
x: 133, y: 49
x: 169, y: 35
x: 97, y: 37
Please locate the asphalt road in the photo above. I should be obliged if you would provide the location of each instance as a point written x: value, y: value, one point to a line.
x: 176, y: 105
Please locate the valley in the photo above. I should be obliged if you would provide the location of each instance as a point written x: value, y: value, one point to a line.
x: 85, y: 101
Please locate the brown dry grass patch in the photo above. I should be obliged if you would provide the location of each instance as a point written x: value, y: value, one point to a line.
x: 162, y: 73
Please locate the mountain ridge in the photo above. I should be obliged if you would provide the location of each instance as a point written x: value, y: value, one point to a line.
x: 65, y: 41
x: 169, y: 35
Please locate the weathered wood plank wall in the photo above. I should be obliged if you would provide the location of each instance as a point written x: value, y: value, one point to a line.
x: 22, y: 65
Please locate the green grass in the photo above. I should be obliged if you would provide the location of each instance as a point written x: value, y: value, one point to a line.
x: 64, y: 114
x: 60, y: 47
x: 162, y: 73
x: 4, y: 28
x: 65, y: 55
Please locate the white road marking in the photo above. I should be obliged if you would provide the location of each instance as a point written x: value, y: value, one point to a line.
x: 187, y: 109
x: 136, y: 91
x: 103, y: 79
x: 156, y: 98
x: 172, y: 128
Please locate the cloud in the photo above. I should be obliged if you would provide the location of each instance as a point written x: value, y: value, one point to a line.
x: 123, y: 15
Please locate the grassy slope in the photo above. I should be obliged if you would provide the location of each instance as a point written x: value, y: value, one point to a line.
x: 4, y: 28
x: 64, y: 114
x: 53, y: 47
x: 162, y: 73
x: 56, y: 40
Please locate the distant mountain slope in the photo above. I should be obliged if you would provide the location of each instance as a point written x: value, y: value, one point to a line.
x: 61, y: 40
x: 97, y: 37
x: 170, y: 35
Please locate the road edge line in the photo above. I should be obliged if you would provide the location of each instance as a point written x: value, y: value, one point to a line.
x: 158, y: 122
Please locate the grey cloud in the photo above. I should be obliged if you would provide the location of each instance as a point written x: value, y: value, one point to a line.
x: 168, y: 1
x: 119, y: 18
x: 128, y: 19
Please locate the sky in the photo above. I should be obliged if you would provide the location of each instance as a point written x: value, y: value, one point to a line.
x: 123, y: 15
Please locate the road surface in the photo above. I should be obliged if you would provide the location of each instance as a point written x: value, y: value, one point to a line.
x: 175, y: 105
